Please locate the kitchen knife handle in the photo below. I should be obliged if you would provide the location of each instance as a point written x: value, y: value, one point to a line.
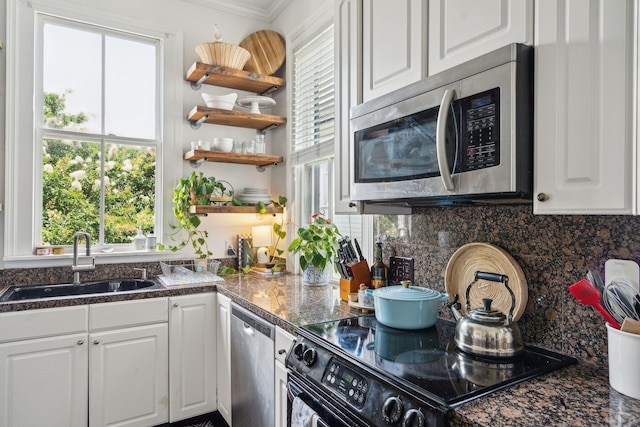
x: 360, y: 256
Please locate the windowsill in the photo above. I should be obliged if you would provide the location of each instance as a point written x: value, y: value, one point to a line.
x: 121, y: 257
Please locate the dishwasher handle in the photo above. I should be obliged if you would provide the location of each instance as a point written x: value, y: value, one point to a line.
x: 253, y: 323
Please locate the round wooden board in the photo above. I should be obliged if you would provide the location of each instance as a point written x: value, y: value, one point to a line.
x: 267, y: 49
x: 489, y: 258
x: 360, y: 306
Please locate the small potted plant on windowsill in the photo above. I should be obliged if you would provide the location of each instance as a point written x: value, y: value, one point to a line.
x: 317, y: 244
x: 196, y: 189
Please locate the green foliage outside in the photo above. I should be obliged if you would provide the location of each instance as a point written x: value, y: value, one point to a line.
x: 71, y: 178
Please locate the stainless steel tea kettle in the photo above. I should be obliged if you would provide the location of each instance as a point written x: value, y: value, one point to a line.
x: 484, y: 331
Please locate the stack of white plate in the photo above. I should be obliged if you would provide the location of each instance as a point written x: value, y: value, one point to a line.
x: 252, y: 196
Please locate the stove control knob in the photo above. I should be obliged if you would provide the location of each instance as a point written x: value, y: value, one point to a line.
x: 414, y: 418
x: 392, y: 410
x: 309, y: 356
x: 299, y: 350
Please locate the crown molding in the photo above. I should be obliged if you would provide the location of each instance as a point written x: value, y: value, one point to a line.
x: 267, y: 13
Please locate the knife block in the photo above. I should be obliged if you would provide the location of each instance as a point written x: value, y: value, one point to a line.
x: 361, y: 274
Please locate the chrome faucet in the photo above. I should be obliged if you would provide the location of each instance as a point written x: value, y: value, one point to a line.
x: 76, y: 267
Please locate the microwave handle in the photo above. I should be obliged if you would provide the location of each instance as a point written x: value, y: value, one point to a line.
x: 441, y: 135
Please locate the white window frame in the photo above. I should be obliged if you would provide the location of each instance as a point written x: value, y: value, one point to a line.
x: 308, y: 29
x: 22, y: 155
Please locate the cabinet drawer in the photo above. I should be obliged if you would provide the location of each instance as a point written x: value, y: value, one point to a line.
x: 23, y: 325
x: 128, y: 313
x: 283, y: 343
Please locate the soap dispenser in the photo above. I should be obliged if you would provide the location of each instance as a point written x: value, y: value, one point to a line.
x: 139, y: 240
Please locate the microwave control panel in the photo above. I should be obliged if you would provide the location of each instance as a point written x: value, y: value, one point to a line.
x: 480, y: 131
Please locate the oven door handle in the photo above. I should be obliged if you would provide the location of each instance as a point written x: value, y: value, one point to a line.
x: 441, y: 135
x: 294, y: 391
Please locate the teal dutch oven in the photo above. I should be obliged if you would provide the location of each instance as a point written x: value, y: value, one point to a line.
x: 407, y: 307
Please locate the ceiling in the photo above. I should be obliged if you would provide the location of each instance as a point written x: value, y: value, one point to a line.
x: 263, y: 10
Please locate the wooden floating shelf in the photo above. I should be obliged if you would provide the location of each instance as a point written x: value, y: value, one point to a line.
x: 245, y: 159
x: 234, y: 118
x: 234, y: 79
x: 211, y: 209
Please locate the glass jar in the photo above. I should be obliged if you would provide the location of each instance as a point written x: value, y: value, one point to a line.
x: 260, y: 145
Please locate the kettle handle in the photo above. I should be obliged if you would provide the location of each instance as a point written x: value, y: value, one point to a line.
x: 492, y: 277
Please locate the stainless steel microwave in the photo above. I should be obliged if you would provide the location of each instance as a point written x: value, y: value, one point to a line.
x: 461, y: 136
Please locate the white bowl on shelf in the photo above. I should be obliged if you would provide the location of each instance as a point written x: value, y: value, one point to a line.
x: 223, y: 144
x: 223, y: 102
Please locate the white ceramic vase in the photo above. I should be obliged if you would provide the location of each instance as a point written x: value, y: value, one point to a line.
x: 314, y: 276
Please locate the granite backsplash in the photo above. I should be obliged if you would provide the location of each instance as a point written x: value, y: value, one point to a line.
x: 553, y: 251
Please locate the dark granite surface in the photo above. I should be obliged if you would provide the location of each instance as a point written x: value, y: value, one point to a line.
x: 575, y: 396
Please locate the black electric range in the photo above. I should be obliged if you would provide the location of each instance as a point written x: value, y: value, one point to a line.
x: 376, y: 375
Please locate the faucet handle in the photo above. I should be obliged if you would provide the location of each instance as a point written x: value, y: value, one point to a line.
x: 143, y: 276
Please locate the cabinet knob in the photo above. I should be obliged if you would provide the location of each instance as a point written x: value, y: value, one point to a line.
x: 175, y: 304
x: 352, y: 205
x: 80, y: 342
x: 542, y: 197
x: 282, y: 351
x: 96, y: 342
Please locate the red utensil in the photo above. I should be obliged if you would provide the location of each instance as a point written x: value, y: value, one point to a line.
x: 587, y: 294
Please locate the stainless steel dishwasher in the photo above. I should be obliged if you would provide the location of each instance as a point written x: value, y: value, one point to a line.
x: 252, y: 369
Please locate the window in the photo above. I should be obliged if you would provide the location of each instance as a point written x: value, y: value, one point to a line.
x: 313, y: 131
x: 98, y: 132
x: 91, y: 103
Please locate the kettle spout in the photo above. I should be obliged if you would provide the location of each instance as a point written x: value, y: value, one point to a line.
x: 455, y: 307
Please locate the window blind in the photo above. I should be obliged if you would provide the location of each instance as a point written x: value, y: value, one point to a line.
x: 313, y: 92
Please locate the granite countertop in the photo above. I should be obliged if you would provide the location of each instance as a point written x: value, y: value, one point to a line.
x: 577, y: 395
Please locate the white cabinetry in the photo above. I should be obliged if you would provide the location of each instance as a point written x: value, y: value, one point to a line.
x: 128, y: 363
x: 393, y: 45
x: 585, y: 107
x: 44, y: 368
x: 98, y: 365
x: 348, y: 87
x: 223, y: 356
x: 192, y: 355
x: 283, y: 344
x: 460, y: 30
x: 128, y: 376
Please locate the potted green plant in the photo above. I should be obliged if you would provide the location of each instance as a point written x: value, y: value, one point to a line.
x: 196, y: 189
x: 317, y: 244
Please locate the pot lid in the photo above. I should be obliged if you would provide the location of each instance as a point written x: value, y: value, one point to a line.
x: 411, y: 293
x: 486, y: 314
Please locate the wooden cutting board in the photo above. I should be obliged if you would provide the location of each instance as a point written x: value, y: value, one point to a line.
x: 267, y: 49
x: 488, y: 258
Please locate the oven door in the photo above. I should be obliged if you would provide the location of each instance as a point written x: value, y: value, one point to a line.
x: 331, y: 413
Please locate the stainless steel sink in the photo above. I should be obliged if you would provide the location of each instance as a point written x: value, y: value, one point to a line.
x: 20, y: 293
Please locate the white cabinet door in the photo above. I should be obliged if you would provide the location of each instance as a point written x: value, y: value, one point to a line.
x: 348, y: 87
x: 223, y: 356
x: 43, y: 382
x: 460, y: 30
x: 584, y: 107
x: 283, y: 344
x: 128, y: 376
x: 281, y: 395
x: 192, y: 355
x: 393, y: 45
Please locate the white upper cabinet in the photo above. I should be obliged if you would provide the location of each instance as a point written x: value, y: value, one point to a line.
x: 585, y: 107
x: 460, y: 30
x: 393, y: 45
x: 348, y: 66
